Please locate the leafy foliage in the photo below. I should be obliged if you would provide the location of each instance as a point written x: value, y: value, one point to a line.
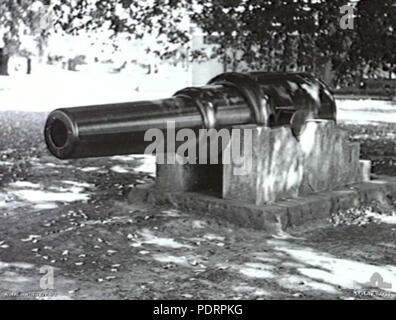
x: 274, y: 35
x: 20, y: 20
x: 375, y: 40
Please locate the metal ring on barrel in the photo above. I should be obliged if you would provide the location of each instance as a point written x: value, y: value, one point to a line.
x: 205, y: 106
x: 60, y: 133
x: 250, y: 90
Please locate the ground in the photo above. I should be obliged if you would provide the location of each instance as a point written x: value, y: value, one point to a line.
x: 74, y: 216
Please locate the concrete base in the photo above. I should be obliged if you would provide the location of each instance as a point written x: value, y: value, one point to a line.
x: 289, y: 182
x: 189, y: 177
x: 270, y: 164
x: 330, y: 160
x: 276, y: 166
x: 320, y: 159
x: 281, y: 215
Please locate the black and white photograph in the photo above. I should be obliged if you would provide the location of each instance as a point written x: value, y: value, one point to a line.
x: 174, y: 151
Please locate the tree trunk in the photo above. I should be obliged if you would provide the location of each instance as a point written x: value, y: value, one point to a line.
x: 71, y: 65
x: 234, y: 61
x: 29, y: 66
x: 328, y: 73
x: 4, y: 58
x: 225, y: 61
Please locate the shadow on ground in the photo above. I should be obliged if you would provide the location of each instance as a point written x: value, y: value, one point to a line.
x: 73, y: 216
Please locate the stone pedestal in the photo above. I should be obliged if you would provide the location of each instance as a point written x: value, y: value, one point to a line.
x: 189, y: 177
x: 273, y: 168
x: 330, y: 160
x: 365, y: 170
x: 263, y: 165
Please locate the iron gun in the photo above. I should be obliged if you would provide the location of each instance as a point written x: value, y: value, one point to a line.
x: 230, y: 99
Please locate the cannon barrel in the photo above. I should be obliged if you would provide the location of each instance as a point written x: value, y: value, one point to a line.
x: 230, y: 99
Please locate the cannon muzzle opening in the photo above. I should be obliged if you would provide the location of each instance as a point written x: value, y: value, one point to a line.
x: 60, y: 134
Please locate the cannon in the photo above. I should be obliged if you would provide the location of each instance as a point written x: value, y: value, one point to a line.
x: 230, y: 99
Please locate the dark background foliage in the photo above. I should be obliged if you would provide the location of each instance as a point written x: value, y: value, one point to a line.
x: 273, y: 35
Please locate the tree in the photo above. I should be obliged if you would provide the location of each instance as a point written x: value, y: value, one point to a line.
x: 376, y: 40
x: 275, y: 35
x: 19, y: 20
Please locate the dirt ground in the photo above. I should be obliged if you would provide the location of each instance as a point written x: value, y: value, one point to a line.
x: 74, y: 217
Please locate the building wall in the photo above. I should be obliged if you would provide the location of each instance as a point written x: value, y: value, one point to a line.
x: 202, y: 72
